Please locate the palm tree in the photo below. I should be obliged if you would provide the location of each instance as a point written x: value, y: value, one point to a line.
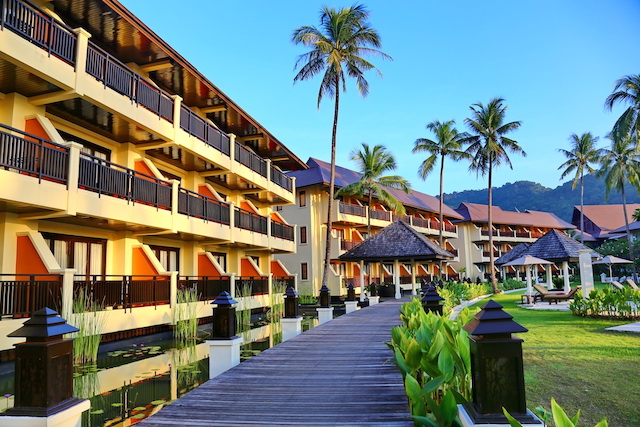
x: 583, y: 153
x: 372, y: 163
x: 626, y: 90
x: 448, y: 143
x: 337, y: 50
x: 488, y: 149
x: 621, y: 164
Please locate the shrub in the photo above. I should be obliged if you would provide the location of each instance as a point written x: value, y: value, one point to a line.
x: 624, y: 304
x: 509, y: 284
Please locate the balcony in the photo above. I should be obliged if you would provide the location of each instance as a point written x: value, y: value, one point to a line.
x: 380, y: 214
x: 124, y: 291
x: 252, y: 286
x: 21, y: 295
x: 197, y: 205
x: 351, y: 209
x: 247, y: 220
x: 207, y: 287
x: 282, y: 230
x: 200, y: 128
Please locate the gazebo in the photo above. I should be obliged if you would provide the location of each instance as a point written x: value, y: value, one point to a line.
x: 396, y: 243
x: 510, y: 256
x: 558, y: 247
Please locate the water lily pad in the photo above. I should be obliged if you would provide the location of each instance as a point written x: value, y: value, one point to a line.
x: 97, y: 412
x: 138, y: 416
x: 116, y: 405
x: 159, y: 402
x: 140, y: 408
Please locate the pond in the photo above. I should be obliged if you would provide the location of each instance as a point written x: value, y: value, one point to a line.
x: 135, y: 378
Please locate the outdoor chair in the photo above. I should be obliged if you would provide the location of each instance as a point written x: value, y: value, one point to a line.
x: 617, y: 285
x: 561, y: 297
x: 632, y: 284
x: 542, y: 292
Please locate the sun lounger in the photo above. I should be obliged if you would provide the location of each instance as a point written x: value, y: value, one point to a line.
x: 632, y: 284
x: 560, y: 297
x: 617, y: 285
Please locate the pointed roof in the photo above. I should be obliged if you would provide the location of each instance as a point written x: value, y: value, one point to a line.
x: 319, y: 172
x: 605, y: 217
x: 396, y: 241
x: 512, y: 254
x: 476, y: 212
x: 557, y: 246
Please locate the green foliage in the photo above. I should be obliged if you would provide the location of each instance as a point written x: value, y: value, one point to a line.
x: 456, y: 292
x: 560, y: 417
x: 185, y: 315
x: 619, y: 248
x: 432, y: 353
x: 89, y: 316
x: 307, y: 299
x: 276, y: 312
x: 558, y: 282
x: 608, y: 303
x: 510, y: 284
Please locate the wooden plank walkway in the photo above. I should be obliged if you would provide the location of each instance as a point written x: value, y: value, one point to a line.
x: 339, y: 373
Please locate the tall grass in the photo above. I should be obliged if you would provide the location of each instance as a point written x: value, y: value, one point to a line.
x: 243, y: 310
x: 185, y: 315
x: 276, y: 312
x: 90, y: 318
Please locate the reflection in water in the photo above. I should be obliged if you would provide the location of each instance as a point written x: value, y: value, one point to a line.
x: 135, y: 381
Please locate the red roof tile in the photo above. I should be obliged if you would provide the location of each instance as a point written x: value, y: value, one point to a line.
x: 478, y: 213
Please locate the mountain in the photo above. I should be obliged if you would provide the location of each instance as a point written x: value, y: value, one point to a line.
x: 523, y: 195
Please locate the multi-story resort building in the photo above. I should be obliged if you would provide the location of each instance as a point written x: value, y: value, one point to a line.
x: 350, y: 219
x: 509, y: 230
x: 125, y: 173
x: 601, y: 220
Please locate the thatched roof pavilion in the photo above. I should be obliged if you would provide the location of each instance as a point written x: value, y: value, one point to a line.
x: 557, y: 246
x: 512, y: 254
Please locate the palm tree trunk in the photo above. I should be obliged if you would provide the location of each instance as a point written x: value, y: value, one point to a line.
x: 582, y: 208
x: 629, y: 238
x: 327, y: 254
x: 440, y: 209
x: 369, y: 216
x: 494, y: 282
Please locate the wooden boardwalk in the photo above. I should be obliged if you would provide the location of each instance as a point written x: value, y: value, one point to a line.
x: 339, y: 373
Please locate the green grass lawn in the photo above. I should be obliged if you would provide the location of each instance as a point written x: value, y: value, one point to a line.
x: 580, y: 364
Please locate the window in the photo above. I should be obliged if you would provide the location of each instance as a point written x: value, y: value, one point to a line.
x: 221, y: 259
x: 278, y: 208
x: 88, y: 147
x: 87, y: 256
x: 304, y: 273
x: 303, y: 234
x: 256, y: 259
x: 168, y: 257
x: 302, y: 199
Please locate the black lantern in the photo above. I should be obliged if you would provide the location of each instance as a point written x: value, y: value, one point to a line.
x: 351, y: 292
x: 325, y: 296
x: 431, y: 301
x: 424, y: 287
x: 290, y: 303
x: 224, y: 317
x: 373, y: 289
x: 496, y: 367
x: 44, y: 366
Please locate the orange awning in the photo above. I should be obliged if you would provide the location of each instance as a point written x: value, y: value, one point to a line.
x: 277, y: 270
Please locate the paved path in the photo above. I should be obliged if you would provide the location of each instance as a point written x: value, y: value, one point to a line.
x: 339, y: 373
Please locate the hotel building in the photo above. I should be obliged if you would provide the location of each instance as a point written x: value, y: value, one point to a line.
x: 126, y: 173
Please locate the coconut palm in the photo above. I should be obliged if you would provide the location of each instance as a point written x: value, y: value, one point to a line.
x: 627, y: 91
x: 621, y: 165
x: 372, y: 163
x: 337, y: 51
x: 489, y: 148
x: 580, y: 159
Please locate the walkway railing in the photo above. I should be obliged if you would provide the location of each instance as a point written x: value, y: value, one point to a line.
x: 200, y: 206
x: 250, y: 159
x: 124, y: 291
x: 207, y: 287
x: 26, y: 20
x: 281, y: 230
x: 379, y: 214
x: 250, y: 221
x: 122, y: 79
x: 21, y: 295
x: 29, y: 154
x: 351, y: 209
x: 109, y: 178
x: 281, y: 179
x: 195, y: 125
x: 288, y: 281
x: 256, y: 285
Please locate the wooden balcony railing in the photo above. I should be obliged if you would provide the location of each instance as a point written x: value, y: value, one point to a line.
x: 288, y: 281
x: 122, y: 79
x: 207, y: 287
x: 406, y: 280
x: 250, y: 159
x: 453, y: 252
x: 421, y: 222
x: 29, y: 154
x: 486, y: 233
x: 256, y: 285
x: 250, y: 221
x: 379, y: 214
x: 347, y: 245
x: 404, y: 218
x: 26, y: 20
x: 104, y: 177
x: 281, y: 230
x: 21, y: 295
x: 450, y: 228
x: 523, y: 234
x: 124, y: 291
x: 351, y: 209
x: 200, y: 206
x: 195, y: 125
x: 487, y: 254
x: 280, y: 179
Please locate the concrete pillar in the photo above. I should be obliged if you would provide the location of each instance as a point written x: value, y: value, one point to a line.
x: 223, y: 355
x: 175, y: 191
x: 177, y: 109
x: 173, y: 290
x: 232, y: 285
x: 586, y: 272
x: 549, y: 277
x: 414, y: 268
x: 73, y: 175
x: 291, y: 327
x: 82, y: 45
x: 374, y: 300
x: 67, y: 293
x: 350, y: 306
x: 396, y: 278
x: 325, y: 314
x: 362, y: 285
x: 565, y: 273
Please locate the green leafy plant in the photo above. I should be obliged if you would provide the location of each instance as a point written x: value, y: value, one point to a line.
x: 185, y: 315
x: 509, y: 284
x: 618, y: 304
x: 89, y: 317
x: 560, y: 417
x: 276, y: 312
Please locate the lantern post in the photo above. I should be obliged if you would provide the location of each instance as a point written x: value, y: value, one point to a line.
x: 291, y: 322
x: 432, y: 301
x: 350, y: 304
x: 325, y: 311
x: 224, y: 345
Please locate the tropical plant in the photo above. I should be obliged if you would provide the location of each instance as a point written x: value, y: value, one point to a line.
x: 509, y: 284
x: 90, y: 318
x: 624, y: 304
x: 448, y: 143
x: 488, y: 148
x: 372, y: 163
x: 626, y: 90
x: 582, y: 156
x: 636, y: 215
x: 337, y: 51
x: 185, y: 315
x: 620, y: 165
x: 560, y: 417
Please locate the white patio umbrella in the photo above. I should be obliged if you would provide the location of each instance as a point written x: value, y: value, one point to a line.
x: 610, y: 260
x: 528, y: 261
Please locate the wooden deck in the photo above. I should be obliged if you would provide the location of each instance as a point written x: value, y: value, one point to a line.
x: 339, y: 373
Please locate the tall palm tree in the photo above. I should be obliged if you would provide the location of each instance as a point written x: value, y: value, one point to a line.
x: 620, y: 165
x: 372, y: 163
x: 626, y: 90
x: 582, y: 155
x: 488, y: 149
x: 337, y: 50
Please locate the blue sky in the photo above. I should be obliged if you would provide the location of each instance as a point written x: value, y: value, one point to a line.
x: 554, y: 62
